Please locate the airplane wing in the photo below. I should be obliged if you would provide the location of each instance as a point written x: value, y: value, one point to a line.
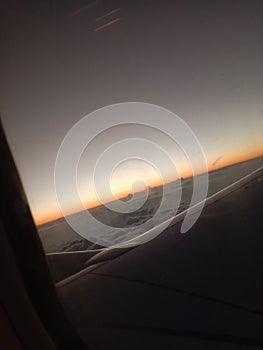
x: 200, y: 289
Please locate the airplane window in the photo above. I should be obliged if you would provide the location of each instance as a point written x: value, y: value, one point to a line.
x: 155, y: 98
x: 136, y: 127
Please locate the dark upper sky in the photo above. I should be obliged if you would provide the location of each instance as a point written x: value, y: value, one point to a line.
x: 63, y: 60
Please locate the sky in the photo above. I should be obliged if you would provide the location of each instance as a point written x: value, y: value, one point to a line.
x: 60, y: 61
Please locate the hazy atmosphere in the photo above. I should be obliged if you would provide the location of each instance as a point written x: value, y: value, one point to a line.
x: 62, y: 60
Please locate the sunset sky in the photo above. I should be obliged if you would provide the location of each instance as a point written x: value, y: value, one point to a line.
x: 202, y: 60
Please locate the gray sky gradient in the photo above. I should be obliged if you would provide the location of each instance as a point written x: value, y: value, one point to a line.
x: 200, y: 59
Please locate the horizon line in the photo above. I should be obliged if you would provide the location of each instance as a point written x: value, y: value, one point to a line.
x: 92, y: 206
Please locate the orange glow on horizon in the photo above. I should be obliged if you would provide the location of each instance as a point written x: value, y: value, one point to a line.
x: 224, y: 161
x: 235, y: 159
